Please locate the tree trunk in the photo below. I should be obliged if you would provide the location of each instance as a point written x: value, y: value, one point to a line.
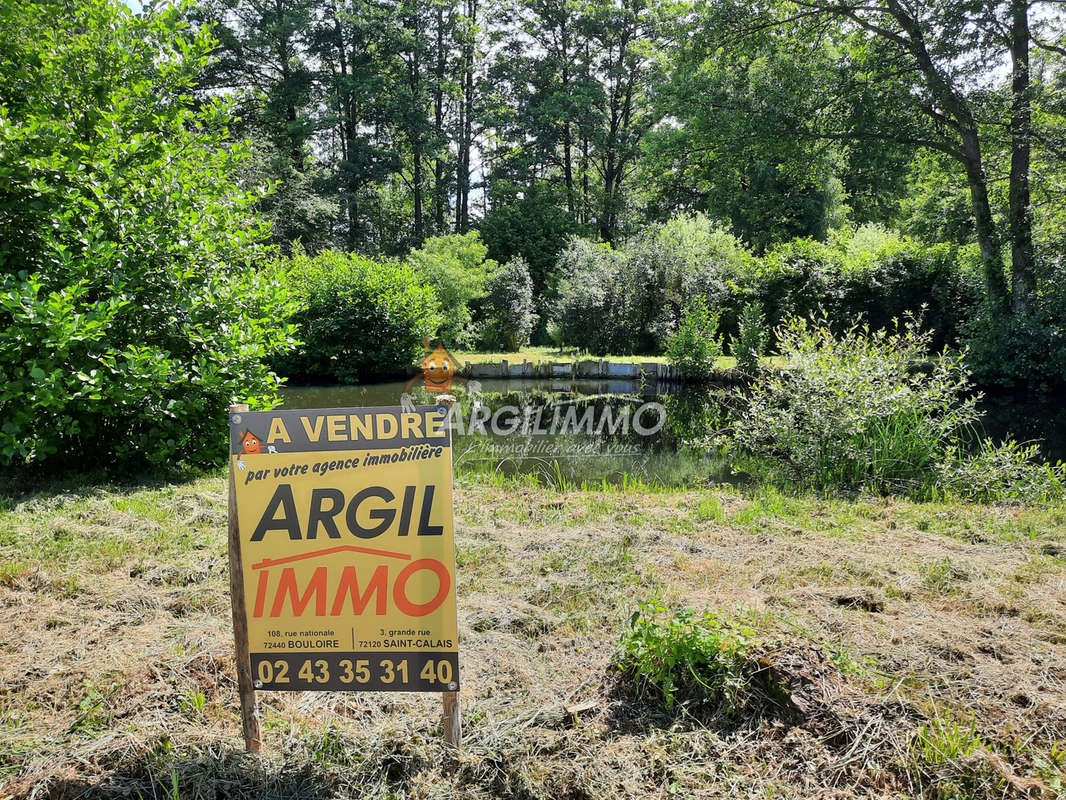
x: 984, y: 224
x: 351, y: 127
x: 416, y: 179
x: 962, y: 120
x: 568, y: 169
x: 466, y: 110
x: 284, y: 47
x: 1023, y: 270
x: 468, y: 141
x: 568, y: 166
x: 585, y: 180
x: 348, y: 130
x: 460, y: 160
x: 440, y: 193
x: 607, y: 208
x: 416, y: 133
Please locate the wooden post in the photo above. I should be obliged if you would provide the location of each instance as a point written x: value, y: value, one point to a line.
x: 452, y: 720
x: 453, y: 723
x: 245, y: 688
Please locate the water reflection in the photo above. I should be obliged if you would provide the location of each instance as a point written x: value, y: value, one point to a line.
x: 566, y: 433
x: 682, y: 452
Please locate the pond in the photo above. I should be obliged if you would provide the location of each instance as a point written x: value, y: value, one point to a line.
x: 577, y: 435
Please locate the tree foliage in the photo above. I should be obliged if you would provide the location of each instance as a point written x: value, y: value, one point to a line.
x: 507, y: 312
x: 456, y: 268
x: 358, y: 318
x: 131, y: 313
x: 695, y: 346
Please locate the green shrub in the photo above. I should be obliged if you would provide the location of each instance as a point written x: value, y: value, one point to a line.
x: 535, y: 227
x: 1021, y: 350
x: 695, y: 658
x: 695, y: 347
x: 866, y: 409
x: 867, y: 275
x: 456, y: 268
x: 632, y: 300
x: 131, y: 314
x: 685, y: 258
x: 1007, y: 471
x: 752, y: 338
x: 599, y: 292
x: 359, y: 318
x: 793, y: 279
x: 507, y: 313
x: 873, y: 410
x: 884, y: 276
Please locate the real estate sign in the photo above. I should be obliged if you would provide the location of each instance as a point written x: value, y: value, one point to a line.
x: 346, y: 544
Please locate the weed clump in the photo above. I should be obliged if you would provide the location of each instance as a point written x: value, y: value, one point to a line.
x: 948, y: 759
x: 695, y: 658
x: 874, y: 411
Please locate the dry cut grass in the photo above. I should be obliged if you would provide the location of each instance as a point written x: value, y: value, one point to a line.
x: 915, y: 651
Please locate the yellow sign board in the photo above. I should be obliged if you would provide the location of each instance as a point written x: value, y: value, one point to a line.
x: 347, y: 548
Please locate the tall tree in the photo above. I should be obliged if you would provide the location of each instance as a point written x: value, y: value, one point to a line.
x: 444, y: 92
x: 261, y: 59
x: 580, y: 77
x: 627, y: 39
x: 412, y: 98
x: 469, y: 39
x: 730, y: 150
x: 933, y: 69
x: 350, y: 44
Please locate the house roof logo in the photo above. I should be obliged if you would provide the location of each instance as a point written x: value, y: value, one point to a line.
x: 438, y: 368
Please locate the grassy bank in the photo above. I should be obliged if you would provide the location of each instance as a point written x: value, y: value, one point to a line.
x: 534, y: 353
x: 915, y: 650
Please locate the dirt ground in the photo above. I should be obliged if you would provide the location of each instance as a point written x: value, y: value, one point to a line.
x: 920, y: 651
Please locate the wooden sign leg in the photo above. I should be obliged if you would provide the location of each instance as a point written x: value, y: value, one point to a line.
x: 453, y: 725
x: 245, y: 688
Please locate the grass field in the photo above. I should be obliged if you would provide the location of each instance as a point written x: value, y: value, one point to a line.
x: 918, y: 649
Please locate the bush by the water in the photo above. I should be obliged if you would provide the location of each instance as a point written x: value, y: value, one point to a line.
x: 631, y: 300
x: 694, y: 658
x: 131, y: 314
x: 599, y: 292
x: 867, y: 273
x: 695, y: 347
x: 359, y: 318
x: 1020, y: 350
x: 534, y: 227
x: 873, y: 410
x: 687, y: 258
x: 456, y: 267
x: 1006, y: 471
x: 507, y: 315
x: 752, y: 338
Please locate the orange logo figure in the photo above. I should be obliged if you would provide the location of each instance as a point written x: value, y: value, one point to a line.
x: 438, y: 370
x: 249, y: 443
